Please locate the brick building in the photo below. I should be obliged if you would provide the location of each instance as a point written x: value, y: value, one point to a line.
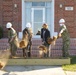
x: 37, y: 12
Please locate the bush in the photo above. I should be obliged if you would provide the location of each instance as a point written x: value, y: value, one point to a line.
x: 1, y: 32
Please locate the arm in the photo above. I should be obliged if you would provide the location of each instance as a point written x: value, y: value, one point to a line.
x: 62, y: 30
x: 13, y: 35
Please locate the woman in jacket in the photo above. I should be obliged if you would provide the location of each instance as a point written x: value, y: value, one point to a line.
x: 45, y: 34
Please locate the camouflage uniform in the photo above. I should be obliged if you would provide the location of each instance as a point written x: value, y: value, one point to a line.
x: 66, y: 41
x: 12, y: 35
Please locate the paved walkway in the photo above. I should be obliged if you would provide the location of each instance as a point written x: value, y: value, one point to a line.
x: 70, y: 73
x: 34, y: 70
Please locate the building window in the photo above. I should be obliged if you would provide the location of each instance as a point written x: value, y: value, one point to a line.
x: 38, y: 3
x: 46, y: 5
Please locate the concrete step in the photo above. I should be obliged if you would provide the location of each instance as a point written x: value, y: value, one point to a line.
x: 37, y: 61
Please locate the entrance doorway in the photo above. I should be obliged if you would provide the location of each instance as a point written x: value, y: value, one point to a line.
x: 38, y: 13
x: 38, y: 18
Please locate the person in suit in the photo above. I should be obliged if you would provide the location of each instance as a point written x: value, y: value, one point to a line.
x: 45, y: 34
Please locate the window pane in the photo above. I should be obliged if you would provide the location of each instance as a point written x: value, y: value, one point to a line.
x: 38, y: 3
x: 38, y: 16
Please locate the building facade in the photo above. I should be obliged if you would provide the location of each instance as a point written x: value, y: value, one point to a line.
x: 20, y: 12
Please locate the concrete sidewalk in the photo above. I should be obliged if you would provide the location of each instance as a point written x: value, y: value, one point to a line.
x: 34, y: 70
x: 70, y: 73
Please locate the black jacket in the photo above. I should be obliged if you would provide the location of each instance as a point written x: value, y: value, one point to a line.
x: 46, y: 35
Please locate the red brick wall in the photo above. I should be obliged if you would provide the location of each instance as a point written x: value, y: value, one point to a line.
x: 69, y: 16
x: 8, y: 13
x: 0, y: 13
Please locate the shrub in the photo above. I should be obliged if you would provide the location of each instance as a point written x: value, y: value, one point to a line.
x: 1, y: 32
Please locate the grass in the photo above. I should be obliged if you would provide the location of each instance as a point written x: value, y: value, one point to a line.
x: 72, y: 66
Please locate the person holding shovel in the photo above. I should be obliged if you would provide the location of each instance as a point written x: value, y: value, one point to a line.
x: 12, y: 37
x: 65, y: 38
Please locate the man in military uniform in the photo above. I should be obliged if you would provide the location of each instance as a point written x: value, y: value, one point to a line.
x: 65, y: 37
x: 27, y: 50
x: 12, y: 37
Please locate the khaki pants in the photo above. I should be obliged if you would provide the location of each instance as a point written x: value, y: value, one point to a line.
x: 13, y: 49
